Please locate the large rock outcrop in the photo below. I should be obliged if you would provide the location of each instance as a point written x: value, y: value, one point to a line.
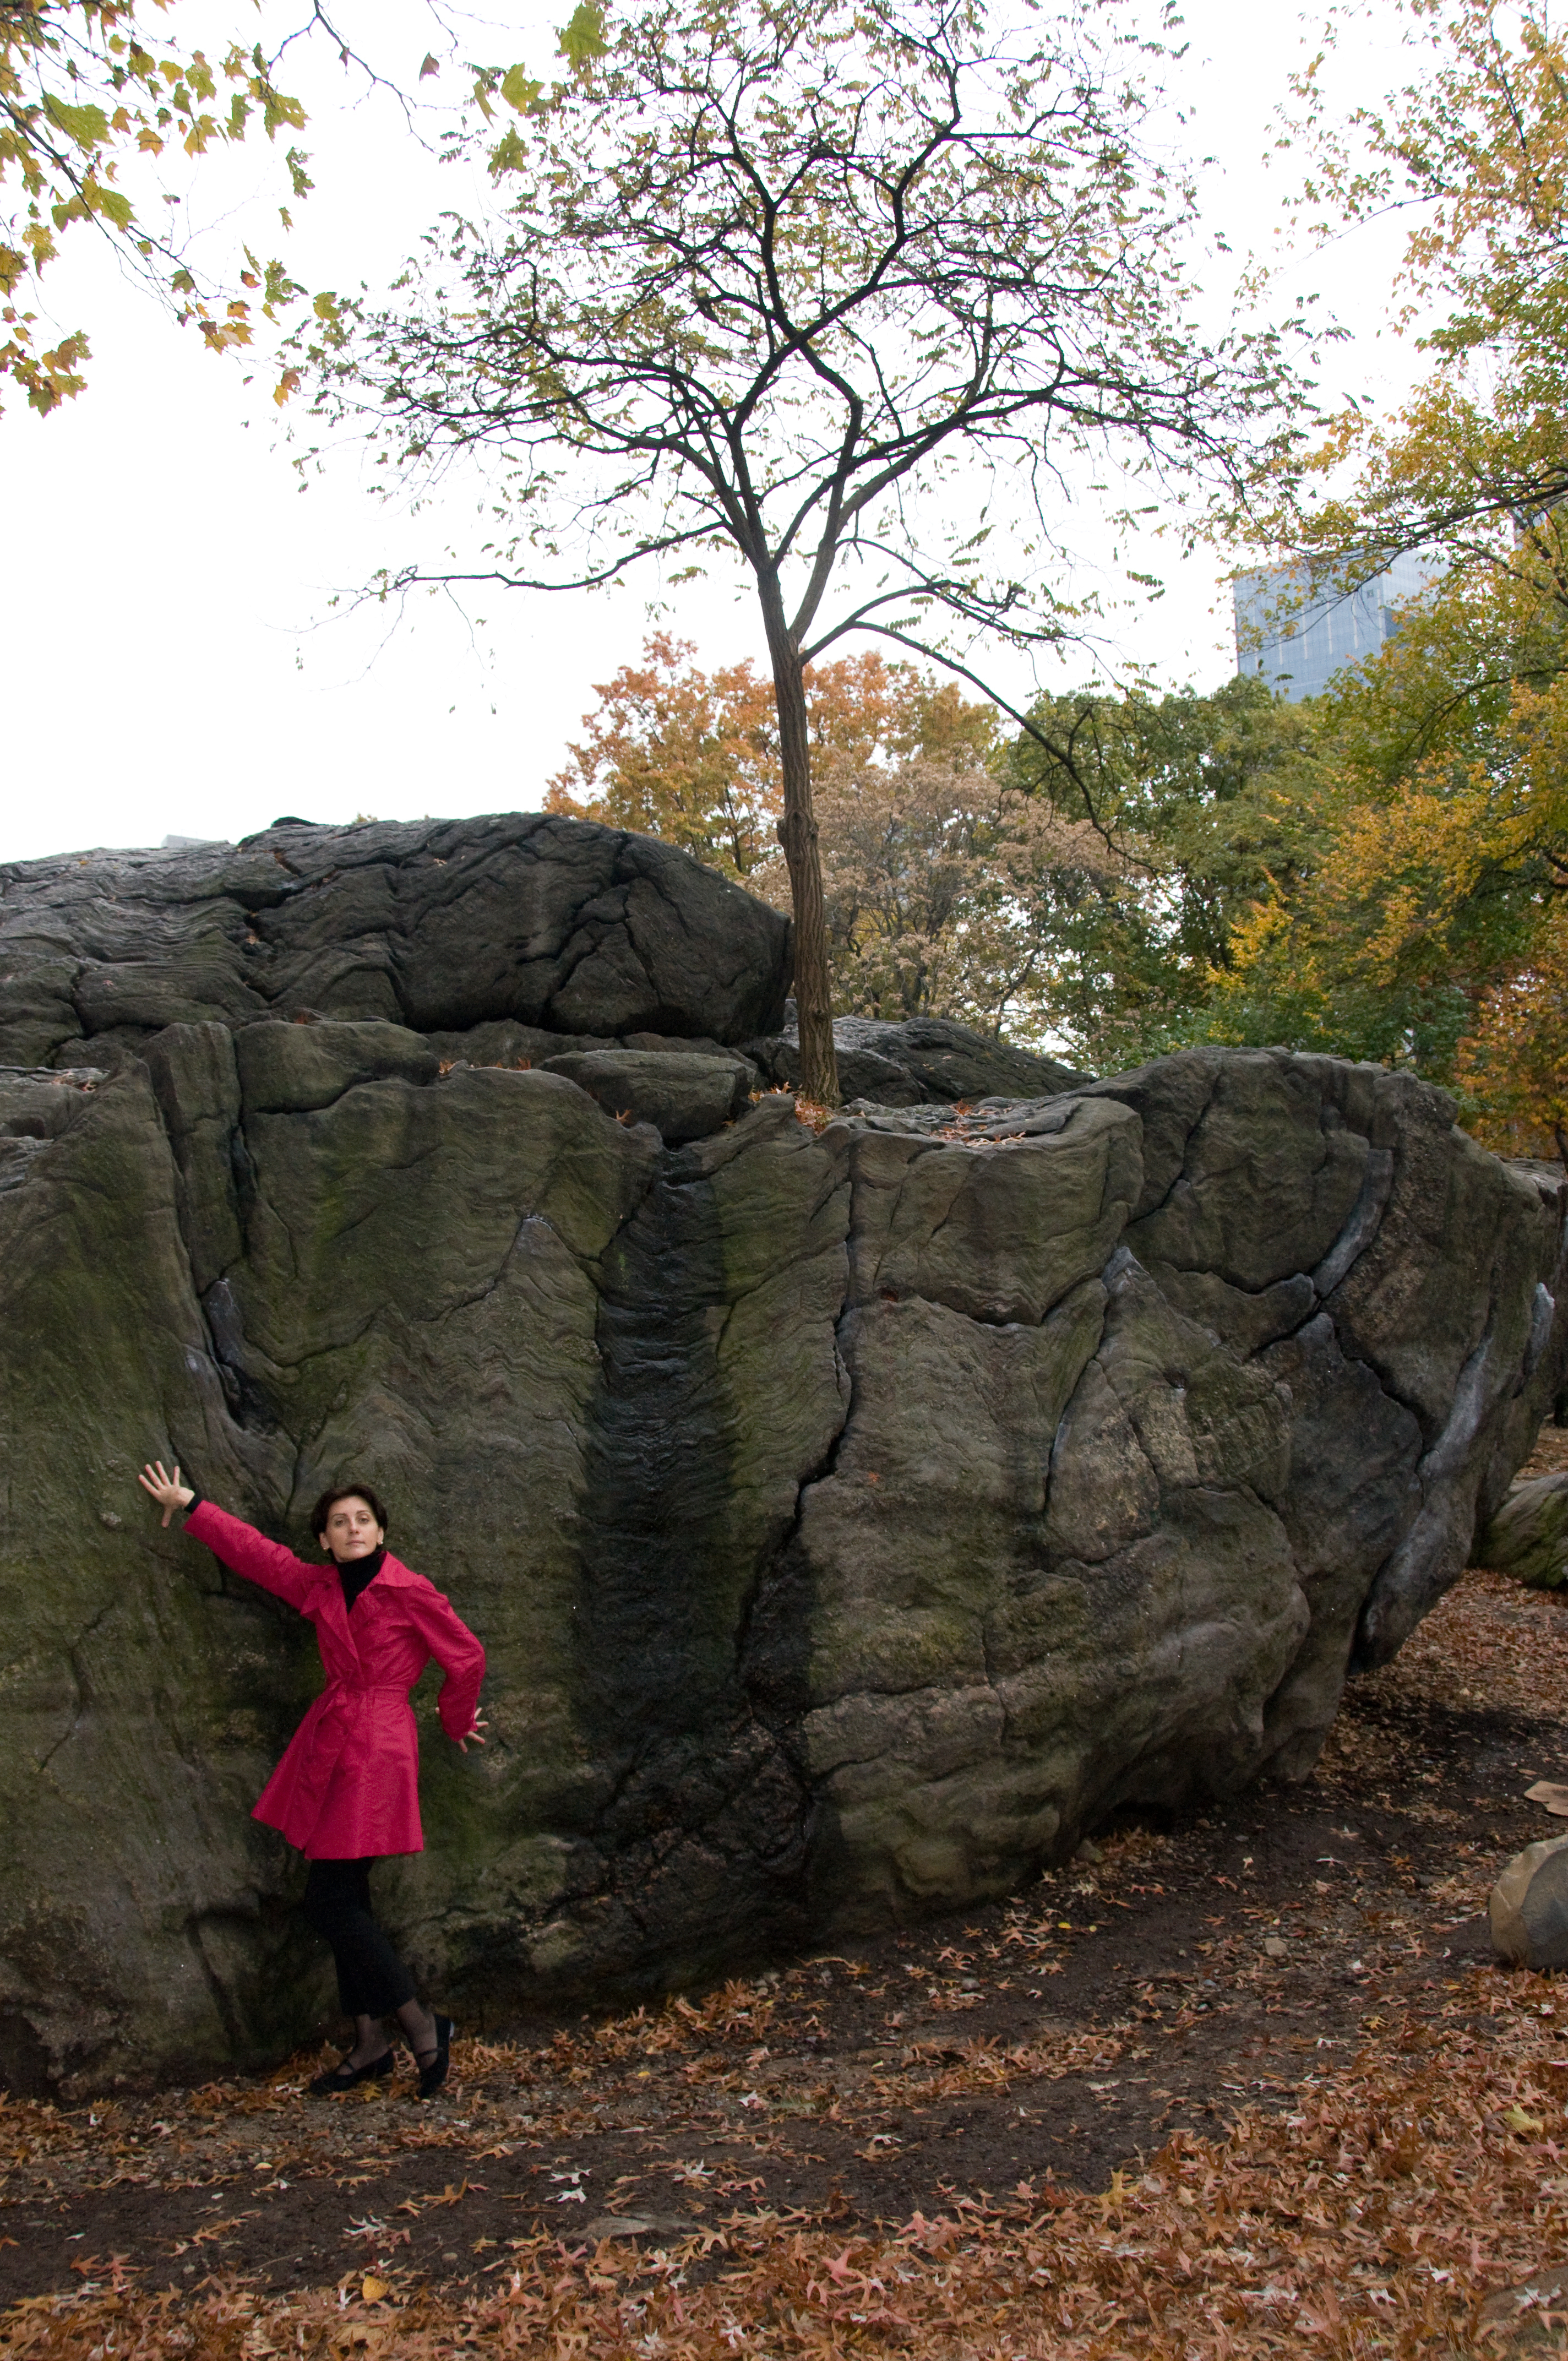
x: 438, y: 925
x: 853, y: 1518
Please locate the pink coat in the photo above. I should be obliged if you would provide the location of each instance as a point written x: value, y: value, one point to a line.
x: 348, y: 1785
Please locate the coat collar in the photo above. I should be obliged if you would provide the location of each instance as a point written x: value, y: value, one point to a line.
x: 392, y: 1571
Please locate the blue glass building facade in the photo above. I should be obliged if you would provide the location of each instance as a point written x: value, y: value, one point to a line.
x: 1299, y: 652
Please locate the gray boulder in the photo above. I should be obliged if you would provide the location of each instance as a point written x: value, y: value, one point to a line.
x: 853, y: 1518
x: 924, y: 1060
x: 437, y: 926
x: 1529, y: 1907
x: 683, y: 1097
x: 1529, y: 1536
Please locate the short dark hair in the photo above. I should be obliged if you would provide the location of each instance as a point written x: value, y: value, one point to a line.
x: 329, y: 1501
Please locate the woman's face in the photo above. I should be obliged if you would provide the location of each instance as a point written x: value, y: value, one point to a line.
x: 351, y: 1529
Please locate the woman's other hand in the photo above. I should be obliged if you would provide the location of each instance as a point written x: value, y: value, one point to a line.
x: 479, y: 1724
x: 167, y: 1490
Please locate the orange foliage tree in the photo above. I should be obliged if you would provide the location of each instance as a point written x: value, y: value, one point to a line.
x: 942, y: 873
x: 680, y: 753
x: 693, y: 757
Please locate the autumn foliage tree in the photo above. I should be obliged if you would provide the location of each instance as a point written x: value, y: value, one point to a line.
x: 693, y: 757
x: 679, y: 753
x: 968, y: 871
x: 909, y: 817
x: 1427, y: 928
x: 1439, y: 861
x: 835, y: 289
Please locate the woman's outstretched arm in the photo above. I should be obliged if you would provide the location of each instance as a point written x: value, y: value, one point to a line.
x: 241, y: 1548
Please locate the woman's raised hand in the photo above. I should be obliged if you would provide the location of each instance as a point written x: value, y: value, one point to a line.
x: 167, y: 1490
x: 479, y: 1724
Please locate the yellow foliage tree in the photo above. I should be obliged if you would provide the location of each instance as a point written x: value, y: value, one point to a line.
x: 1430, y: 930
x: 1514, y: 1060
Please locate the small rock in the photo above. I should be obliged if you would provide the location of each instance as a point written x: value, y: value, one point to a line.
x: 683, y: 1098
x: 1529, y: 1909
x: 1530, y: 2316
x: 1529, y: 1536
x: 1275, y: 1947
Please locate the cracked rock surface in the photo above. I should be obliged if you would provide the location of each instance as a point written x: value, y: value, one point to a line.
x: 436, y: 925
x: 854, y: 1518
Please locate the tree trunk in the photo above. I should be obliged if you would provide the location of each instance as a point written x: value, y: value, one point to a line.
x: 797, y: 834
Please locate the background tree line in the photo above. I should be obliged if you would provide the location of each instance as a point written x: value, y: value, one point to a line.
x: 1088, y: 898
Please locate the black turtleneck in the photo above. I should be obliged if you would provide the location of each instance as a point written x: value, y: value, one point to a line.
x: 358, y: 1574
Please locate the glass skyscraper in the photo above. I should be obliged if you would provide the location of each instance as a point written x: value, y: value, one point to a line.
x: 1299, y: 652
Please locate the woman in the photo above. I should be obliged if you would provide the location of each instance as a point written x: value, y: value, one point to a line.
x: 347, y: 1792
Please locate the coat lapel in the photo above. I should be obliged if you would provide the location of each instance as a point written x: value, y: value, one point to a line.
x: 334, y: 1625
x: 337, y: 1636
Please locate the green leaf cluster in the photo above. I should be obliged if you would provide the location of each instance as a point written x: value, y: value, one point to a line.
x: 86, y: 88
x: 1203, y: 804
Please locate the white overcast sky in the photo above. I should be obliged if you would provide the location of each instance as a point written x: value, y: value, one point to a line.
x: 171, y: 663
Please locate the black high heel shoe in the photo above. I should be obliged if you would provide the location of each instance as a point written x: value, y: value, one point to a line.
x: 344, y: 2077
x: 431, y: 2076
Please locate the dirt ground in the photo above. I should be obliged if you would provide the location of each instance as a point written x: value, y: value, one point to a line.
x: 1278, y: 1997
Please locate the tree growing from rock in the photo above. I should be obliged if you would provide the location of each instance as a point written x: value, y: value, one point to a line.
x: 843, y: 290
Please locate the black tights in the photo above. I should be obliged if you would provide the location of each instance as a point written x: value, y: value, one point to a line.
x: 371, y: 1978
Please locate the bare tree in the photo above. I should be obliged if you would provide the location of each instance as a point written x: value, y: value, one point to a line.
x: 843, y: 286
